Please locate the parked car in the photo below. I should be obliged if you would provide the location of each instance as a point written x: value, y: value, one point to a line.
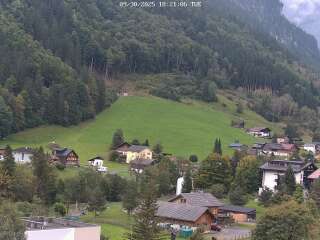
x: 215, y: 227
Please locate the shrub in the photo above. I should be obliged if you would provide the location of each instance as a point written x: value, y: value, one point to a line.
x: 265, y: 197
x: 218, y: 190
x: 60, y: 209
x: 193, y: 158
x: 60, y: 166
x: 114, y: 156
x: 237, y: 196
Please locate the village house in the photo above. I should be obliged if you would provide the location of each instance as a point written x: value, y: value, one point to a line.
x: 97, y: 163
x: 256, y: 149
x: 283, y: 150
x: 2, y: 152
x: 312, y: 147
x: 282, y: 140
x: 238, y: 146
x: 138, y: 152
x: 237, y: 213
x: 23, y: 155
x: 138, y: 165
x: 274, y: 169
x: 65, y: 156
x: 200, y: 199
x: 123, y: 148
x: 259, y: 132
x: 41, y: 228
x: 314, y: 176
x: 184, y: 214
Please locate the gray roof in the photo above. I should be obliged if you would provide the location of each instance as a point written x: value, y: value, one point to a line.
x: 64, y: 152
x: 25, y: 150
x: 38, y: 223
x: 144, y: 162
x: 235, y: 145
x: 282, y: 165
x: 178, y: 211
x: 137, y: 148
x: 233, y: 208
x: 200, y: 199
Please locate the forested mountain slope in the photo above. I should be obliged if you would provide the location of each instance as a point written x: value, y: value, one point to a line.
x: 266, y: 16
x: 51, y: 52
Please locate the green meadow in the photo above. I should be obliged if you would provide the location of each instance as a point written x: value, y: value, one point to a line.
x: 182, y: 128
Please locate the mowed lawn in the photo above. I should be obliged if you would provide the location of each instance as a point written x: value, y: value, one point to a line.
x: 182, y: 129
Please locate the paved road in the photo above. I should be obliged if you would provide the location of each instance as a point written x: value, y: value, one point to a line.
x: 232, y: 233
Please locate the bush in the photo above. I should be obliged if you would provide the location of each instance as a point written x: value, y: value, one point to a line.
x: 60, y: 209
x: 265, y: 197
x: 114, y: 156
x: 237, y: 196
x: 193, y: 158
x: 60, y: 166
x: 218, y: 190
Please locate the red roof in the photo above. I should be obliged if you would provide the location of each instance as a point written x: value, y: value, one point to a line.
x: 315, y: 174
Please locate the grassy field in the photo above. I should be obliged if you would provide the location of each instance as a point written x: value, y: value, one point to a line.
x: 114, y: 221
x: 182, y: 128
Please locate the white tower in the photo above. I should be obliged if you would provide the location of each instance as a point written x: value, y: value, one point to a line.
x: 180, y: 182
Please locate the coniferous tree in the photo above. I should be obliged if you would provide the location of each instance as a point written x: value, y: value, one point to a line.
x: 146, y: 143
x: 5, y: 118
x: 9, y: 163
x: 289, y: 181
x: 117, y: 138
x: 11, y: 226
x: 158, y: 148
x: 146, y: 226
x: 45, y: 177
x: 130, y: 198
x: 96, y: 201
x: 187, y: 184
x: 217, y: 146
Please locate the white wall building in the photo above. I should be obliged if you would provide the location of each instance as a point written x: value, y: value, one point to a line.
x: 274, y: 169
x: 97, y: 162
x: 22, y: 155
x: 310, y: 147
x: 60, y: 229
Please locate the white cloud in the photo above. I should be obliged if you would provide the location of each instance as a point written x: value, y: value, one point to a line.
x: 304, y: 13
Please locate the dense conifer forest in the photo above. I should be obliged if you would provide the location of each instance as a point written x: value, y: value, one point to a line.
x: 56, y: 55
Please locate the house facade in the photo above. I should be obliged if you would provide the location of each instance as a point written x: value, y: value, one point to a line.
x: 123, y: 148
x: 282, y: 150
x: 65, y: 156
x: 138, y: 165
x: 23, y: 155
x: 274, y: 169
x: 184, y: 214
x: 138, y: 152
x: 97, y: 163
x: 200, y: 199
x: 263, y: 132
x: 238, y: 214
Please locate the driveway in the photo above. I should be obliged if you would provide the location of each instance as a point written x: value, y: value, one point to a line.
x: 232, y: 233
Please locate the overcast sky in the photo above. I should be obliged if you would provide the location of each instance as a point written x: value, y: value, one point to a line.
x: 304, y: 13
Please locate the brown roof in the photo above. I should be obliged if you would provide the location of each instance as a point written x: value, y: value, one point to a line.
x: 200, y: 199
x: 177, y: 211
